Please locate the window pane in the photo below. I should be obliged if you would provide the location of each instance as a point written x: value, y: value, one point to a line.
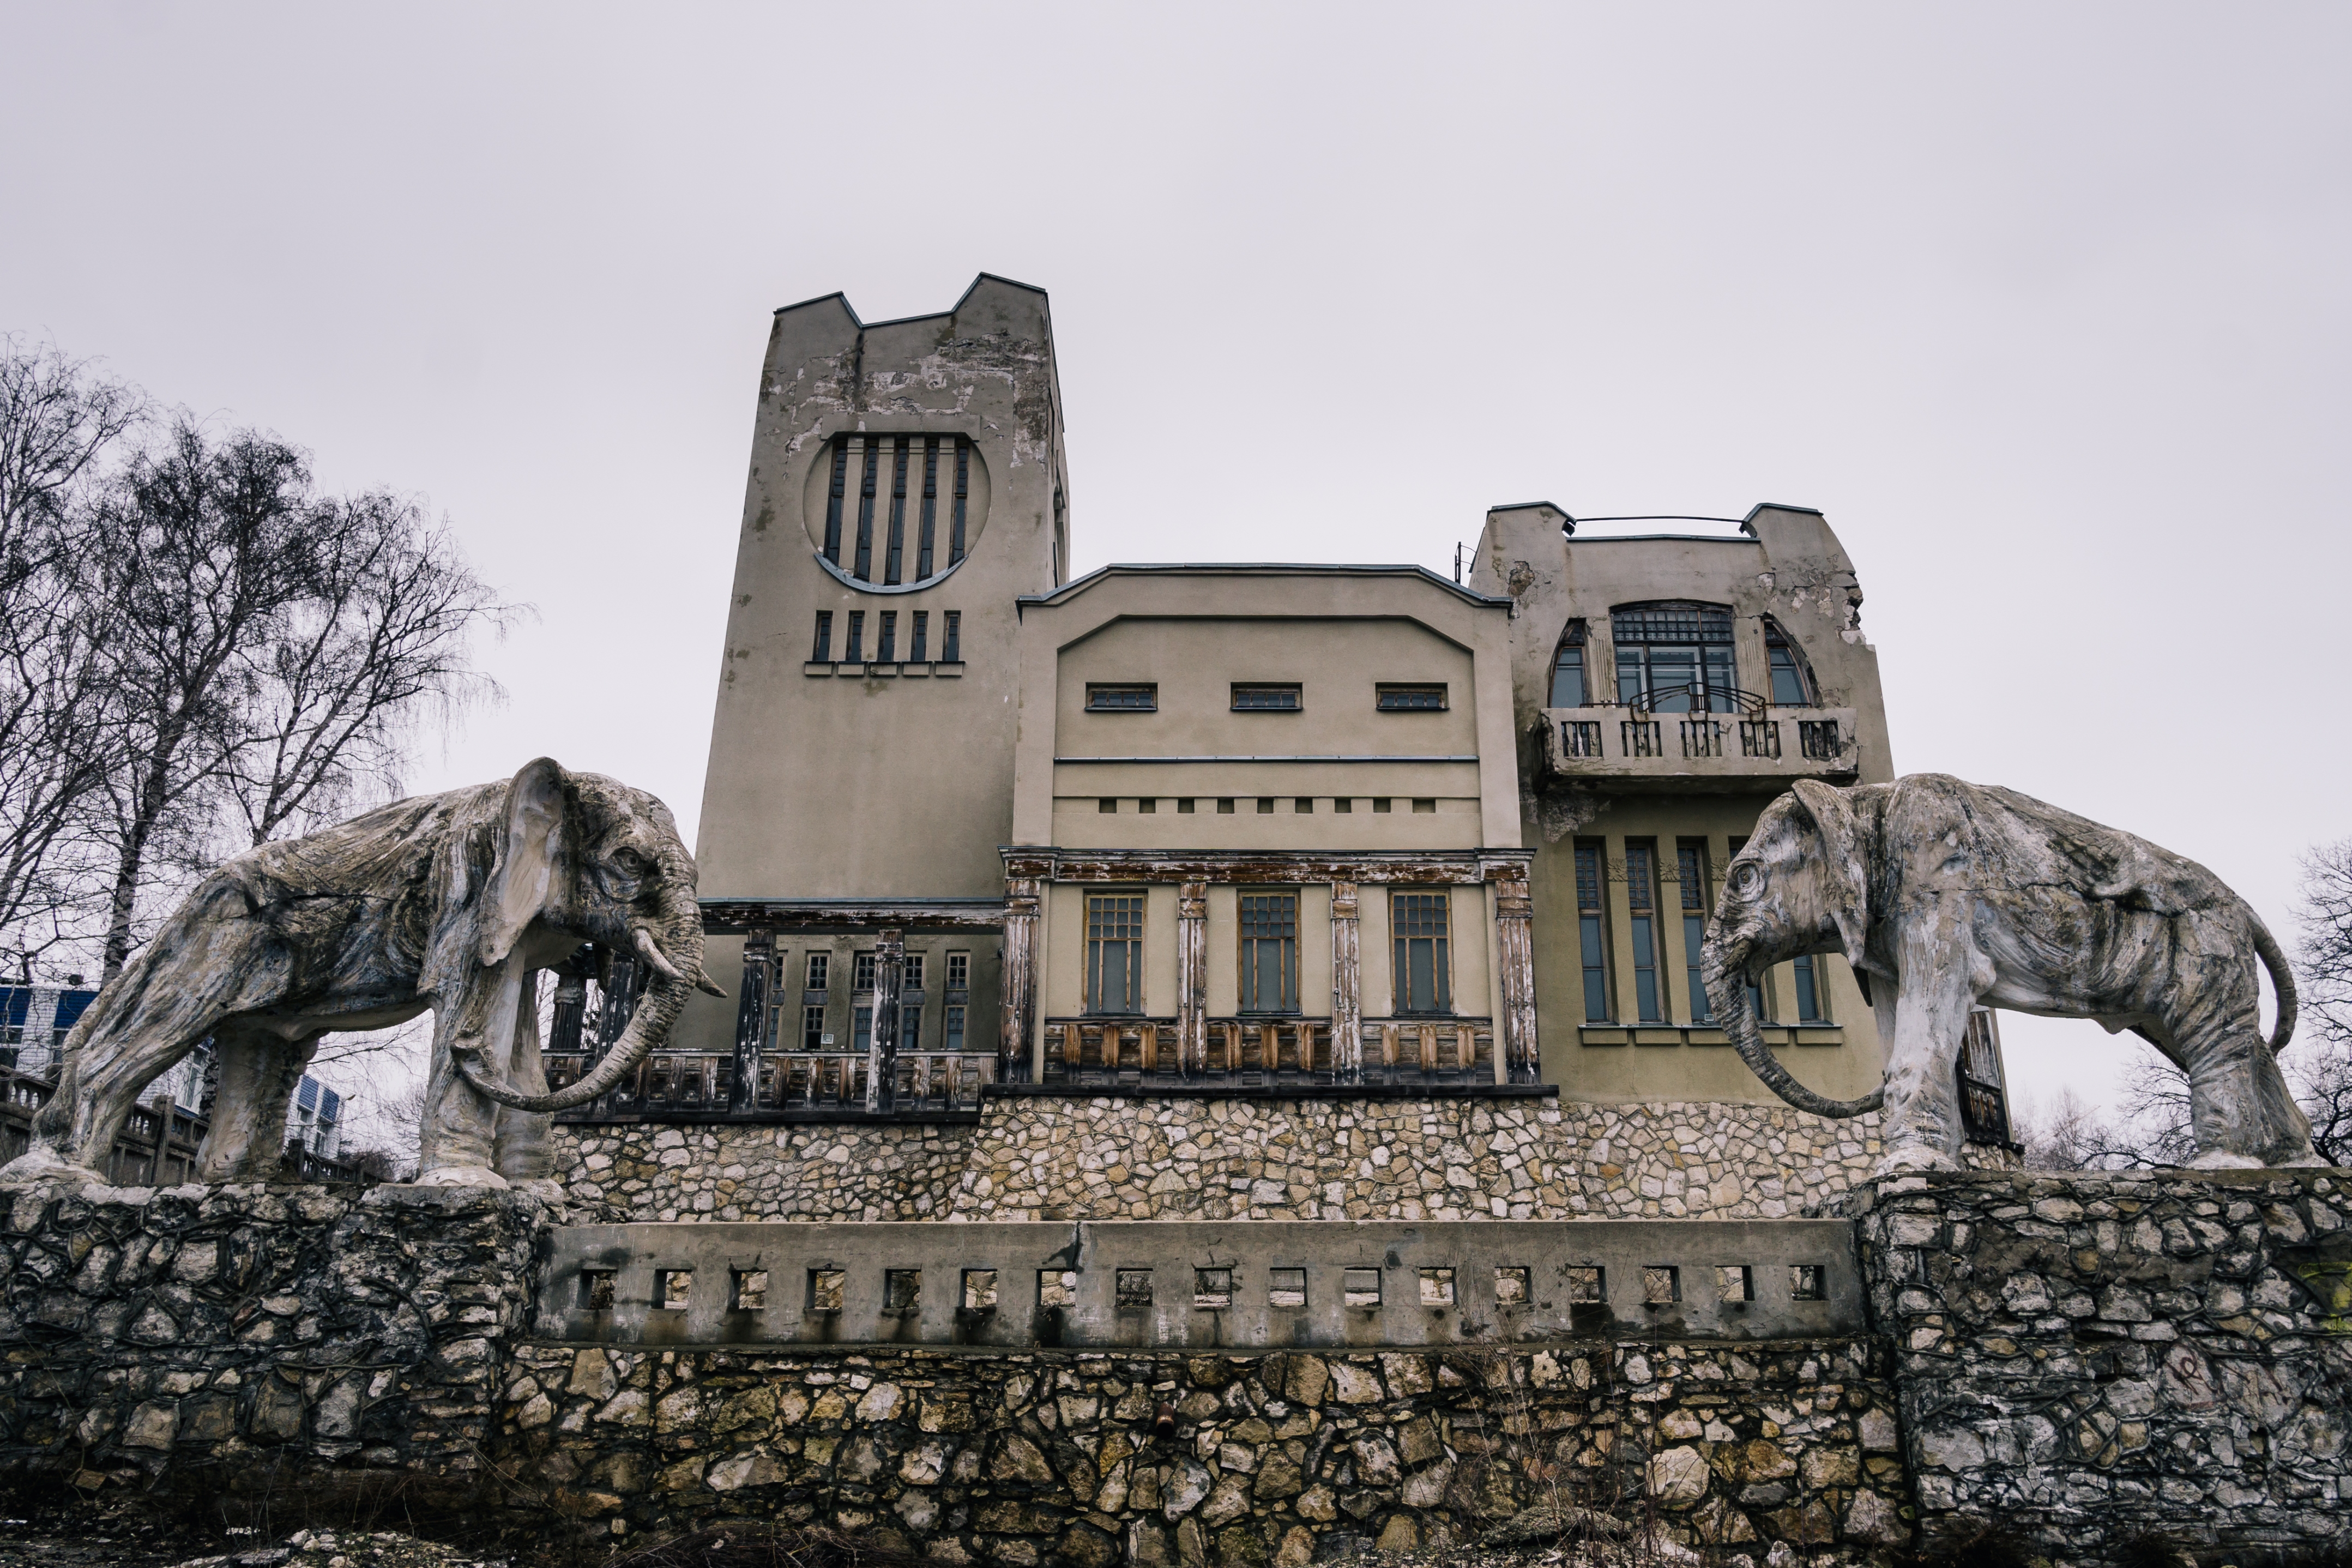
x: 1629, y: 674
x: 1788, y: 684
x: 1693, y: 937
x: 1568, y: 678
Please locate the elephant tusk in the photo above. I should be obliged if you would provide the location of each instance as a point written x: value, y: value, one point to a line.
x: 703, y: 983
x: 652, y: 955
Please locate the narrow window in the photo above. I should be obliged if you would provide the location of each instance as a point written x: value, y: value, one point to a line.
x: 750, y: 1289
x: 911, y: 973
x: 1360, y: 1288
x: 1286, y: 1287
x: 902, y: 1290
x: 833, y: 499
x: 955, y: 514
x: 672, y: 1288
x: 1640, y: 906
x: 949, y: 653
x: 980, y: 1290
x: 1269, y: 923
x: 887, y: 644
x: 1690, y: 868
x: 1735, y: 1282
x: 822, y: 652
x: 1662, y: 1285
x: 959, y: 972
x: 1511, y: 1288
x: 596, y: 1288
x: 1131, y: 1288
x: 861, y: 971
x: 825, y: 1289
x: 918, y: 646
x: 1400, y: 699
x: 855, y: 652
x: 1809, y: 1282
x: 1568, y: 689
x: 1212, y: 1289
x: 1591, y: 930
x: 1587, y: 1286
x: 1057, y: 1287
x: 1418, y: 920
x: 1261, y: 697
x: 864, y: 568
x: 1809, y: 991
x: 819, y: 963
x: 910, y: 1030
x: 929, y: 524
x: 1114, y: 952
x: 893, y: 560
x: 954, y: 1028
x: 812, y: 1028
x: 1792, y: 682
x: 861, y: 1030
x: 1122, y: 699
x: 1437, y: 1287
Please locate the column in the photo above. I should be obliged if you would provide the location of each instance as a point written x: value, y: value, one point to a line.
x: 1192, y: 977
x: 1514, y: 912
x: 751, y: 1017
x: 1013, y: 1046
x: 882, y: 1049
x: 1346, y: 985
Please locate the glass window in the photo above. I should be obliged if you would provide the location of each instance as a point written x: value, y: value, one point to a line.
x: 1591, y: 936
x: 811, y: 1028
x: 1567, y: 689
x: 955, y: 1028
x: 918, y: 644
x: 952, y: 652
x: 1690, y: 869
x: 1792, y: 683
x: 1411, y: 699
x: 1641, y: 905
x: 1269, y: 952
x: 959, y: 972
x: 861, y: 971
x: 1423, y: 977
x: 861, y: 1029
x: 886, y: 650
x: 1265, y: 698
x: 1122, y: 699
x: 910, y: 972
x: 1809, y: 991
x: 855, y: 652
x: 910, y: 1030
x: 1114, y: 952
x: 1675, y: 658
x: 818, y: 964
x: 822, y: 652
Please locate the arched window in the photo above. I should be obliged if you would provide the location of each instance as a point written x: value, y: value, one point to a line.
x: 1793, y: 678
x: 1675, y: 657
x: 1568, y: 688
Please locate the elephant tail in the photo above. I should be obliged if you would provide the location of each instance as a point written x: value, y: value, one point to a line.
x: 2282, y: 980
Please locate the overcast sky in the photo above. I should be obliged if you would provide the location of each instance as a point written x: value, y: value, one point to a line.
x: 2046, y: 306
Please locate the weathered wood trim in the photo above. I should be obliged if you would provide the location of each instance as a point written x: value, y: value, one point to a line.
x: 1191, y: 976
x: 1347, y: 982
x: 1019, y: 1007
x: 751, y: 1017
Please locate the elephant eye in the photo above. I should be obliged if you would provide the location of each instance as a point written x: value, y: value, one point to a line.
x: 631, y: 863
x: 1746, y: 878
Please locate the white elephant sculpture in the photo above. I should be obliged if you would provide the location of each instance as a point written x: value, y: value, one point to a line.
x: 450, y: 902
x: 1943, y: 894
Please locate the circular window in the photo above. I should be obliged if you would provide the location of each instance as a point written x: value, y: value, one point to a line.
x: 889, y: 511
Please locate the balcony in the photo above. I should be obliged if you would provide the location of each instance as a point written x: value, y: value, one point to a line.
x: 1648, y: 746
x: 1271, y: 1056
x: 793, y: 1085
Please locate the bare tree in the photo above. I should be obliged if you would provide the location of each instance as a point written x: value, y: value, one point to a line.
x: 2320, y: 1066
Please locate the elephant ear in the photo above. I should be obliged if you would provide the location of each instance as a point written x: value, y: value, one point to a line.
x: 523, y: 878
x: 1845, y: 874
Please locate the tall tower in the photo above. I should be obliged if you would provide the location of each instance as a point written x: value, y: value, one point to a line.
x: 906, y: 487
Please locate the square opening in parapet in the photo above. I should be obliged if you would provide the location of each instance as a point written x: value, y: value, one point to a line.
x: 1133, y: 1289
x: 902, y: 1290
x: 672, y: 1288
x: 596, y: 1288
x: 980, y: 1290
x: 1057, y: 1288
x: 751, y: 1289
x: 1360, y: 1288
x: 1587, y: 1286
x: 1735, y: 1282
x: 1212, y: 1289
x: 1511, y: 1288
x: 1437, y: 1287
x: 1662, y: 1285
x: 1287, y: 1287
x: 826, y: 1286
x: 1809, y: 1282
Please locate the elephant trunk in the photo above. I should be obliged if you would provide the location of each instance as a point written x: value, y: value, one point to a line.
x: 1727, y: 996
x: 681, y: 944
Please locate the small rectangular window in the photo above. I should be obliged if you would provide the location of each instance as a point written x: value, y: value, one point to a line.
x: 954, y: 1022
x: 959, y: 972
x: 822, y: 653
x: 1122, y: 699
x: 1184, y: 806
x: 1114, y: 952
x: 980, y: 1290
x: 1809, y: 1282
x: 1149, y: 805
x: 596, y: 1288
x: 902, y: 1290
x: 861, y: 971
x: 1265, y: 805
x: 922, y: 633
x: 672, y: 1288
x: 1735, y: 1282
x: 1403, y: 698
x: 1286, y: 1287
x: 1588, y: 1285
x: 1342, y: 804
x: 910, y: 972
x: 1224, y: 806
x: 1265, y: 697
x: 812, y: 1028
x: 818, y: 964
x: 1057, y: 1288
x: 1304, y: 806
x: 950, y: 650
x: 1360, y: 1286
x: 1380, y: 804
x: 1437, y: 1287
x: 1108, y: 806
x: 1424, y: 807
x: 1662, y: 1285
x: 825, y: 1289
x: 1511, y: 1288
x: 1132, y: 1289
x: 855, y: 652
x: 1212, y: 1289
x: 886, y: 650
x: 750, y: 1289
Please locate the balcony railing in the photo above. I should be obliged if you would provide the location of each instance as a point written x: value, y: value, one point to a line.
x: 1267, y: 1052
x: 672, y: 1084
x: 1738, y: 746
x: 158, y: 1144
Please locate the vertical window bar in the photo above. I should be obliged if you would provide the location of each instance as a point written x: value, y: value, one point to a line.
x: 863, y: 569
x: 949, y: 652
x: 822, y: 652
x: 1640, y: 903
x: 833, y: 499
x: 1423, y: 977
x: 1690, y: 857
x: 1269, y: 923
x: 963, y: 489
x: 928, y: 526
x: 1114, y: 952
x: 887, y: 644
x: 915, y: 648
x: 855, y: 652
x: 894, y: 558
x: 1592, y: 933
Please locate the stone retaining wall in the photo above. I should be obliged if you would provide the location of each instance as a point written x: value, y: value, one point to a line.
x: 1038, y: 1158
x: 1051, y: 1457
x: 2087, y: 1360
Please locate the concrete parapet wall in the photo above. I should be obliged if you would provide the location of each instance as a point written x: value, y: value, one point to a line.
x: 1241, y: 1159
x: 1052, y: 1457
x: 2085, y: 1360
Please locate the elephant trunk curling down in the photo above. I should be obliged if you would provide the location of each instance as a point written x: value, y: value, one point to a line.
x: 680, y: 944
x: 1728, y: 999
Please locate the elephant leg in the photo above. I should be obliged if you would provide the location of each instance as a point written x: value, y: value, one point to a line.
x: 457, y: 1144
x: 1922, y: 1130
x: 2239, y: 1108
x: 523, y: 1146
x: 258, y: 1074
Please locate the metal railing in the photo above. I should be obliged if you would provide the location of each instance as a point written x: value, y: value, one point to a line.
x: 1698, y: 696
x: 699, y: 1083
x: 1249, y: 1052
x: 158, y: 1146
